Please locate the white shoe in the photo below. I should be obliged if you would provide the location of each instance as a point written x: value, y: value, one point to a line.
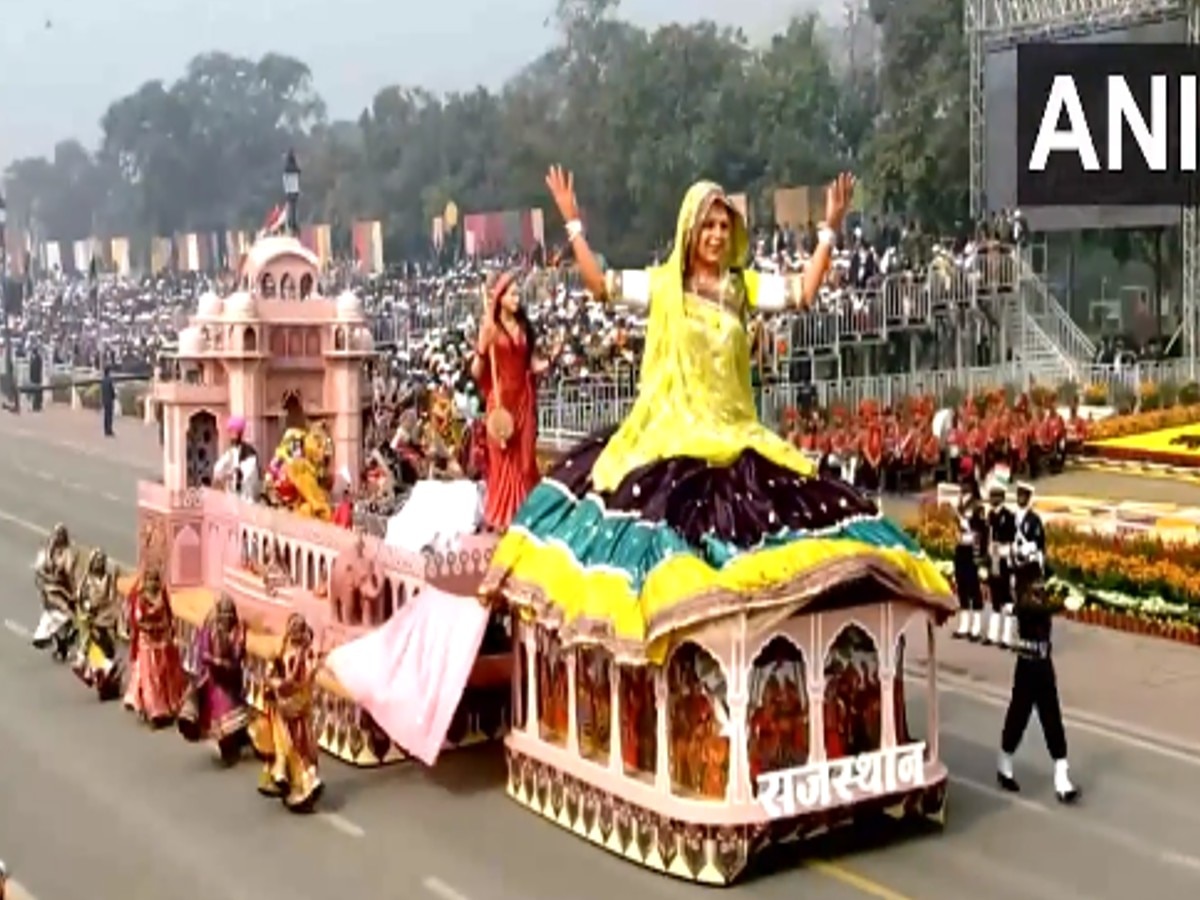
x: 1005, y: 775
x: 976, y: 625
x: 1008, y: 631
x: 1063, y: 788
x: 993, y: 629
x: 964, y: 624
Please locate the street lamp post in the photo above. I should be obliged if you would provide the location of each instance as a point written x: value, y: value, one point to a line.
x: 291, y: 191
x: 9, y: 369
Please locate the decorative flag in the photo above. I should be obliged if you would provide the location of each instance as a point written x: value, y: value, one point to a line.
x: 274, y: 223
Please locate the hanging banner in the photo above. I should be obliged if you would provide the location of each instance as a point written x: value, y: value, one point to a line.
x: 323, y: 235
x: 81, y: 255
x: 120, y: 256
x: 53, y: 256
x: 160, y: 254
x: 368, y: 246
x: 537, y: 223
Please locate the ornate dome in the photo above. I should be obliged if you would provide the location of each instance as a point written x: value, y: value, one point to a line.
x: 241, y: 306
x: 210, y: 306
x: 191, y: 342
x: 350, y: 307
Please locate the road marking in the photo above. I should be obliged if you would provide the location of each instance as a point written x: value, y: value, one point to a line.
x: 1114, y: 730
x: 439, y: 888
x: 1084, y: 823
x: 1178, y: 859
x: 32, y: 527
x: 340, y: 823
x: 18, y: 629
x: 852, y: 879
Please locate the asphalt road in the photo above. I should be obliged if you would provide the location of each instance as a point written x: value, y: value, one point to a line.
x: 93, y: 806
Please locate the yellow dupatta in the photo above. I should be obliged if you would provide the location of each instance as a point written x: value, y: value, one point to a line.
x: 685, y: 407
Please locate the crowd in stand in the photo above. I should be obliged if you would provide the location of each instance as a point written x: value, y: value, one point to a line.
x: 424, y: 316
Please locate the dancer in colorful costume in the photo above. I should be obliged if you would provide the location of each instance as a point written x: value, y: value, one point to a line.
x: 692, y: 509
x: 285, y: 737
x: 54, y: 575
x: 216, y: 706
x: 156, y: 679
x: 98, y: 615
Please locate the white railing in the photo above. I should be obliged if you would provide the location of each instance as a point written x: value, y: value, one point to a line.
x: 1054, y: 320
x: 579, y: 407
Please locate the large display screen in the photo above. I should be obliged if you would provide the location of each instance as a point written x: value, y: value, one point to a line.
x: 1000, y: 137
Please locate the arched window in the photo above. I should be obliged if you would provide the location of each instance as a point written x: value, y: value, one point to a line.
x: 267, y: 286
x: 593, y: 702
x: 306, y: 286
x: 339, y: 338
x: 697, y: 719
x: 853, y: 696
x: 777, y: 714
x: 249, y: 340
x: 287, y: 287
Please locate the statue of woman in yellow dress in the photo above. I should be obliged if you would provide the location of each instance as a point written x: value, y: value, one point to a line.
x: 692, y: 509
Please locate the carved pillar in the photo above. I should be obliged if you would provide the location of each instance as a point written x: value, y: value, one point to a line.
x: 531, y: 690
x: 572, y: 704
x: 662, y: 763
x: 887, y: 702
x: 616, y: 759
x: 739, y: 789
x: 816, y: 720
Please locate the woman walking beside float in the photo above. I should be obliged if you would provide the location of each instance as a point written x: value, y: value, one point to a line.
x: 54, y: 575
x: 156, y: 678
x: 216, y: 708
x: 98, y: 615
x: 285, y: 737
x: 506, y: 367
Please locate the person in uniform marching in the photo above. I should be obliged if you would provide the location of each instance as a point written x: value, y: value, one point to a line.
x: 1035, y: 685
x: 1029, y: 533
x: 1002, y: 532
x: 970, y: 554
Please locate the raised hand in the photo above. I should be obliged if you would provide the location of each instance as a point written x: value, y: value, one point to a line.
x: 838, y: 197
x: 561, y: 184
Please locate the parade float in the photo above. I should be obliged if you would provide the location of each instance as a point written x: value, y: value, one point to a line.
x: 755, y: 733
x: 288, y: 365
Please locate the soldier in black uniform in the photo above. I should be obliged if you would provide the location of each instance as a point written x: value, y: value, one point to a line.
x: 1034, y: 683
x: 970, y: 556
x: 1002, y: 532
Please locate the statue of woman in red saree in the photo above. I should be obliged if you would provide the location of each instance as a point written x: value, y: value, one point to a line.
x: 506, y: 367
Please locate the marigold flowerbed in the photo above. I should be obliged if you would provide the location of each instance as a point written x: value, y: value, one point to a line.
x: 1136, y: 583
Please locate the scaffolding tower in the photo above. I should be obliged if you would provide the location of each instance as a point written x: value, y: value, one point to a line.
x: 992, y: 24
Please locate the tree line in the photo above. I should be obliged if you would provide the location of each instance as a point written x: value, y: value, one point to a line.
x: 638, y: 114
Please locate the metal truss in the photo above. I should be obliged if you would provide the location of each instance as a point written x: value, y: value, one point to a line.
x: 991, y: 23
x: 1190, y: 239
x: 1030, y: 19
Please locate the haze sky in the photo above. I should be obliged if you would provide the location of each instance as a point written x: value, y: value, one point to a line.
x: 63, y: 61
